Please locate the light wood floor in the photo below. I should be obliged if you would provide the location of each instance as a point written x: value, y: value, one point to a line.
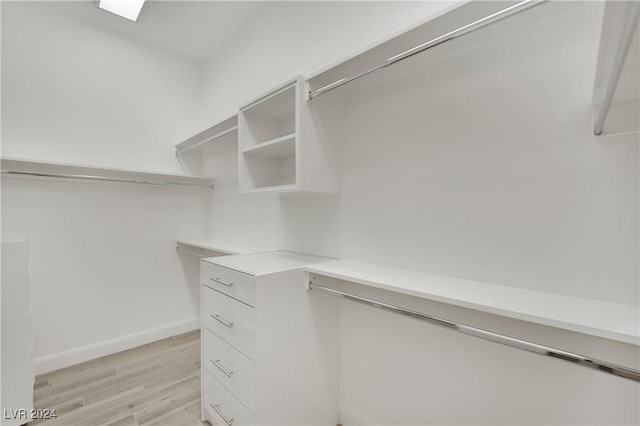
x: 154, y: 384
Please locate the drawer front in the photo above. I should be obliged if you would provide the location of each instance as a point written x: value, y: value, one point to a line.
x: 231, y: 320
x: 232, y: 369
x: 236, y: 284
x: 218, y: 402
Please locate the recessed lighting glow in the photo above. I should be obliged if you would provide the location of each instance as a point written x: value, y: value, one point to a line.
x: 129, y: 9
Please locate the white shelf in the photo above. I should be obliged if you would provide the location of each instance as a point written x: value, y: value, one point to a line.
x: 267, y: 139
x: 281, y: 147
x: 269, y: 116
x: 273, y: 190
x: 221, y: 246
x: 20, y: 167
x: 217, y: 132
x: 268, y: 262
x: 609, y: 320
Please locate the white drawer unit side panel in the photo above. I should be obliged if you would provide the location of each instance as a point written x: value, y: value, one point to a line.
x: 16, y: 368
x: 298, y: 352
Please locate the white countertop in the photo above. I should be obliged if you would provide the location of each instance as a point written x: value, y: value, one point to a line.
x: 266, y: 263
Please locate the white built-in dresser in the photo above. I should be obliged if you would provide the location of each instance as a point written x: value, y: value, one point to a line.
x: 269, y: 348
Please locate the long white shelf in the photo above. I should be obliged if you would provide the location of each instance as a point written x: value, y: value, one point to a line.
x: 615, y: 91
x: 609, y: 320
x: 456, y: 20
x: 21, y: 167
x: 213, y: 133
x: 221, y: 246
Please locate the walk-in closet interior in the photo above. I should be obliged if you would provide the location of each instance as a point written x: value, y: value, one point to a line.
x: 320, y: 213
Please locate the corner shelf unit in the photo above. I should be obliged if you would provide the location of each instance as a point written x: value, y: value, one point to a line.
x: 280, y: 148
x: 40, y: 169
x: 214, y: 133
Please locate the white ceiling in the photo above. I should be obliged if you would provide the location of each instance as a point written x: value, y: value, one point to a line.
x: 192, y: 29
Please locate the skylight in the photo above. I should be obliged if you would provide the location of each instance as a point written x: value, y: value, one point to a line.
x: 129, y: 9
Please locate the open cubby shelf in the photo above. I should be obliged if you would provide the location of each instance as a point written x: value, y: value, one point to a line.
x: 282, y: 147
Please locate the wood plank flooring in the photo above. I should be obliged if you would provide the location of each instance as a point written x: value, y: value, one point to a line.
x: 154, y: 384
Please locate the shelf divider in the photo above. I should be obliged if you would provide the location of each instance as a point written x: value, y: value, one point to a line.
x: 283, y: 146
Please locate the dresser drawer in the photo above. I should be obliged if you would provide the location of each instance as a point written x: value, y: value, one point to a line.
x: 231, y: 320
x: 218, y: 402
x: 236, y: 284
x: 232, y: 369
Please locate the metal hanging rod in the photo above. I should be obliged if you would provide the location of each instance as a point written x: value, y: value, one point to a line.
x: 102, y: 178
x: 480, y: 23
x: 180, y: 151
x: 594, y: 364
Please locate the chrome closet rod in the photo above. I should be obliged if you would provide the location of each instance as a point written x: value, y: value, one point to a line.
x: 480, y: 23
x: 606, y: 367
x: 99, y: 178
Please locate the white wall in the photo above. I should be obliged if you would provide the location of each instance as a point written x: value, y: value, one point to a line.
x: 75, y: 92
x: 104, y: 268
x: 301, y: 37
x: 286, y: 39
x: 486, y: 169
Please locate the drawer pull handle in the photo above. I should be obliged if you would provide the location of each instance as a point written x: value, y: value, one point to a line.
x: 219, y: 281
x: 217, y: 318
x: 216, y: 407
x: 217, y: 364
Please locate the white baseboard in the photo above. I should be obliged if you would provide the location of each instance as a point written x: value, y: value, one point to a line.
x: 75, y: 356
x: 352, y: 417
